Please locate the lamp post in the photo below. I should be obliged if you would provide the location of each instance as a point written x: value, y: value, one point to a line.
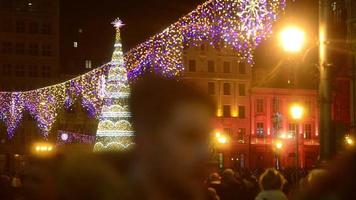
x: 297, y: 112
x: 278, y: 149
x: 292, y: 40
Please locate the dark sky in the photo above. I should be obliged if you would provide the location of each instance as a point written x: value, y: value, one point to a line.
x: 143, y: 18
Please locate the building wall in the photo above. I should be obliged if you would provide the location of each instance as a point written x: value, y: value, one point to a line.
x: 271, y: 108
x: 29, y: 43
x: 221, y: 74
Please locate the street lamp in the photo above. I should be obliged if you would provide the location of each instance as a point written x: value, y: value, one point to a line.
x: 292, y: 39
x: 349, y: 141
x: 42, y: 149
x: 278, y: 149
x: 221, y: 139
x: 297, y: 111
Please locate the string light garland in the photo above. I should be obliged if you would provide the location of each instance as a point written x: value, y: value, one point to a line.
x: 236, y: 24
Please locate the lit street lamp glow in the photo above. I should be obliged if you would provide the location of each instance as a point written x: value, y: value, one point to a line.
x: 349, y: 141
x: 222, y: 139
x: 292, y: 39
x: 43, y: 148
x: 297, y: 111
x: 279, y: 145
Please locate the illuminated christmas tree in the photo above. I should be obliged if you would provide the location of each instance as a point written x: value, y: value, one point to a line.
x: 114, y: 130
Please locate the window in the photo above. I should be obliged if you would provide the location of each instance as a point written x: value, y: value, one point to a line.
x: 46, y: 71
x: 242, y: 89
x: 20, y: 27
x: 292, y: 129
x: 260, y: 129
x: 87, y: 64
x: 242, y: 113
x: 211, y: 88
x: 275, y: 105
x: 227, y: 67
x: 308, y: 107
x: 259, y: 105
x: 307, y: 131
x: 33, y: 28
x: 46, y: 50
x: 241, y: 135
x: 227, y: 111
x: 33, y: 49
x: 20, y: 48
x: 6, y: 48
x: 227, y: 89
x: 46, y: 28
x: 192, y: 67
x: 75, y: 44
x: 211, y: 66
x: 242, y: 68
x: 227, y: 131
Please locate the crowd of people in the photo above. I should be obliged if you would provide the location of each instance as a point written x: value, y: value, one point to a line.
x: 172, y: 122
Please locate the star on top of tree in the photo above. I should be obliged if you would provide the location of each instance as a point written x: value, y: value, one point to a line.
x: 118, y: 23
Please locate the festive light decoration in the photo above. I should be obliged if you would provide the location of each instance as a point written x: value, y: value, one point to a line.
x: 66, y: 137
x: 44, y: 104
x: 114, y: 130
x: 235, y: 24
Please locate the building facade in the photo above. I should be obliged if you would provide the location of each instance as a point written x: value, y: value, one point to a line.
x: 29, y: 42
x: 272, y: 124
x: 221, y: 74
x: 253, y: 119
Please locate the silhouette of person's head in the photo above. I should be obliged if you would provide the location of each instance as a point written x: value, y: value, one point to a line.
x: 271, y: 179
x: 172, y: 126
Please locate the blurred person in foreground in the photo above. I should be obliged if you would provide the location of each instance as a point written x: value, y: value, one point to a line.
x: 336, y: 181
x: 271, y: 184
x: 172, y: 124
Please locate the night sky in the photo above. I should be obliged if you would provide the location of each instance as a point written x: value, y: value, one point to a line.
x: 143, y: 18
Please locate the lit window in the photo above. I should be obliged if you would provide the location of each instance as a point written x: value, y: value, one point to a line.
x: 227, y: 111
x: 242, y: 113
x: 275, y: 105
x: 307, y: 131
x: 242, y: 90
x: 211, y: 66
x: 75, y: 44
x: 227, y: 89
x: 242, y: 68
x: 88, y: 64
x: 192, y: 66
x: 227, y: 67
x: 292, y: 129
x: 259, y: 105
x: 260, y: 129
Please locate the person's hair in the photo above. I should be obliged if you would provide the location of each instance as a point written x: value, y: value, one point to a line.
x: 271, y: 179
x: 153, y: 99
